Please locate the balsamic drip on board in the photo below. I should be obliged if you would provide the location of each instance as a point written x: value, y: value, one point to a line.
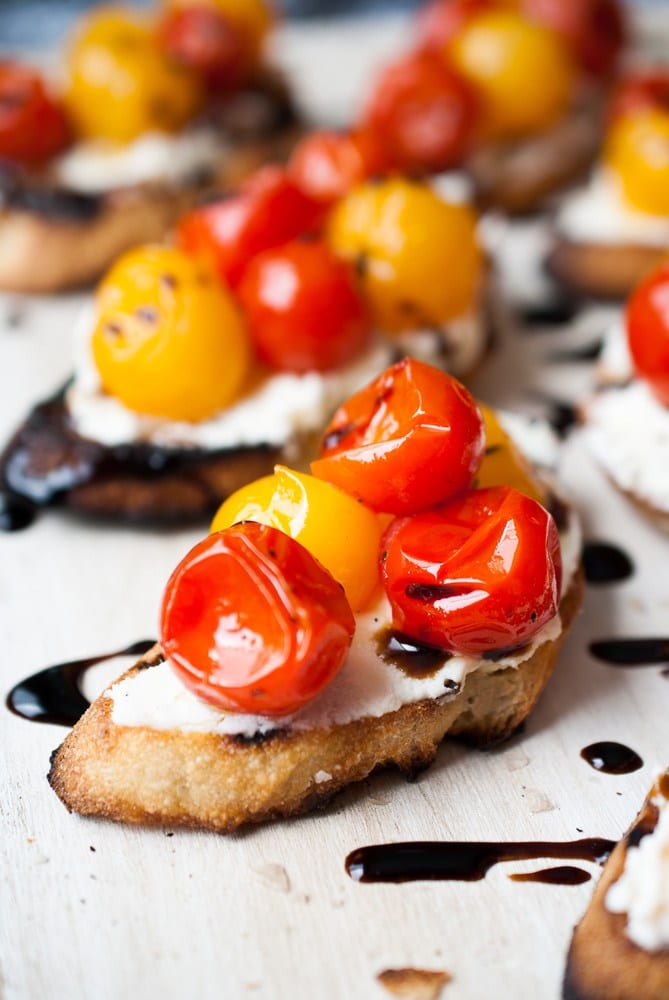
x: 462, y: 861
x: 586, y: 352
x: 631, y: 652
x: 53, y: 694
x: 611, y: 757
x: 606, y: 563
x: 15, y: 512
x: 560, y: 875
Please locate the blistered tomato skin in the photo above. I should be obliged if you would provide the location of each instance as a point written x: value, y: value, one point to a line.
x: 269, y: 210
x: 169, y: 341
x: 523, y: 73
x: 203, y: 39
x: 341, y: 533
x: 326, y: 165
x: 122, y: 82
x: 424, y: 112
x: 479, y: 574
x: 647, y: 321
x: 32, y: 123
x: 637, y: 149
x: 412, y: 438
x: 251, y: 622
x: 304, y: 310
x: 418, y: 256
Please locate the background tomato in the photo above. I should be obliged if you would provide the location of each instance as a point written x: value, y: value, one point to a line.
x: 251, y: 622
x: 204, y: 39
x: 648, y: 331
x: 33, y: 126
x: 326, y: 165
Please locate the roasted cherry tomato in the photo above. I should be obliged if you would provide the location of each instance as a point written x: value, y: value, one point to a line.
x: 503, y: 464
x: 440, y: 21
x: 412, y: 438
x: 251, y: 622
x: 594, y: 30
x: 522, y: 71
x: 252, y: 19
x: 648, y: 331
x: 123, y: 83
x: 204, y: 39
x: 303, y: 307
x: 341, y: 533
x: 424, y: 111
x: 637, y: 149
x: 640, y: 91
x: 269, y: 210
x: 480, y: 573
x: 168, y: 340
x: 328, y: 164
x: 418, y: 256
x: 32, y: 123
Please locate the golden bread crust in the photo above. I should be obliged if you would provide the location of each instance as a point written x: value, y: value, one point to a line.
x: 141, y: 775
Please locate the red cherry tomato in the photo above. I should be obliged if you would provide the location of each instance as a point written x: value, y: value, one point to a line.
x: 594, y: 30
x: 269, y: 210
x: 481, y: 573
x: 648, y: 331
x: 32, y: 124
x: 639, y: 92
x: 204, y: 39
x: 440, y: 21
x: 328, y: 164
x: 303, y: 307
x: 412, y: 438
x: 251, y: 622
x: 424, y: 112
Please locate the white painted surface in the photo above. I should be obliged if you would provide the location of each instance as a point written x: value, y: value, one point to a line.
x: 271, y: 913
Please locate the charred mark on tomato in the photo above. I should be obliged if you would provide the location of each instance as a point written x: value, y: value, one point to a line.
x: 148, y: 314
x: 334, y: 437
x: 428, y: 592
x: 361, y: 265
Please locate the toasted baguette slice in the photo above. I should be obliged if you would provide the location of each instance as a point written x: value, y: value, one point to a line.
x: 142, y: 775
x: 601, y: 270
x: 603, y: 963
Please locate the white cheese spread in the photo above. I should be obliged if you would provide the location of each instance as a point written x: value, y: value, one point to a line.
x: 600, y: 214
x: 95, y: 167
x: 642, y: 891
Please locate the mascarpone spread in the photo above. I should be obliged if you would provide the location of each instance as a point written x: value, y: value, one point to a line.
x: 642, y: 891
x: 615, y: 364
x: 366, y: 687
x: 277, y: 411
x: 600, y: 214
x: 94, y: 167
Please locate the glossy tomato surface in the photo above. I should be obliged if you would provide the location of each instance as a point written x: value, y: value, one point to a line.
x: 269, y: 210
x: 412, y: 438
x: 424, y: 111
x: 32, y: 123
x: 648, y: 332
x: 303, y: 306
x: 326, y: 164
x: 204, y: 39
x: 251, y: 622
x: 478, y: 574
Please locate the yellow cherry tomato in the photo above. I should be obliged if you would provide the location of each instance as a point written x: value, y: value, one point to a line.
x: 169, y: 340
x: 638, y: 151
x: 341, y: 533
x: 418, y: 256
x: 122, y: 83
x: 523, y: 72
x: 503, y: 464
x: 253, y: 19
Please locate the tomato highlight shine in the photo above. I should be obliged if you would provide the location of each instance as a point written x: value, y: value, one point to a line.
x: 251, y: 622
x: 326, y: 165
x: 410, y: 439
x: 479, y: 574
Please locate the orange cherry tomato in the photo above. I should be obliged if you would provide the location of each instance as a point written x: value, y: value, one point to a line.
x: 326, y: 165
x: 201, y: 37
x: 251, y: 622
x: 269, y: 210
x: 648, y: 331
x: 303, y: 307
x: 637, y: 150
x: 503, y: 464
x: 480, y: 573
x: 594, y: 30
x: 412, y: 438
x: 424, y: 112
x: 32, y: 123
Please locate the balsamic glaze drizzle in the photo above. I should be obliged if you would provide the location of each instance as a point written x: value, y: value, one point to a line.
x: 15, y: 512
x: 461, y: 861
x: 53, y: 694
x: 611, y: 757
x: 560, y: 875
x: 606, y: 563
x: 631, y: 652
